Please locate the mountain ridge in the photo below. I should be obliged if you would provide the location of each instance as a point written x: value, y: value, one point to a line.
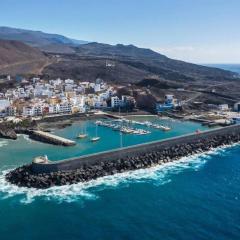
x: 38, y: 39
x: 133, y: 64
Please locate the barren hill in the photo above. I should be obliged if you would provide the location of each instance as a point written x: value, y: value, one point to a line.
x: 19, y: 58
x: 131, y: 64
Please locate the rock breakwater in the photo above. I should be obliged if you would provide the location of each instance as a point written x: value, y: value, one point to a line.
x: 25, y: 177
x: 7, y: 132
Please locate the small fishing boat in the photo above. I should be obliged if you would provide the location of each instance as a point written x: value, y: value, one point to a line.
x: 95, y: 139
x: 116, y: 128
x: 83, y: 133
x: 166, y: 128
x: 81, y: 136
x: 99, y: 122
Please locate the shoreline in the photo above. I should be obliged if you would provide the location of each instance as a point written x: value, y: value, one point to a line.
x: 25, y: 176
x: 134, y: 175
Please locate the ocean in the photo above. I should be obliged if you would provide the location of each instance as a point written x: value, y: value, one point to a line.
x: 195, y: 198
x: 229, y: 67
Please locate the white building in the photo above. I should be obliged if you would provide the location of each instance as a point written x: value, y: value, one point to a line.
x: 4, y: 103
x: 68, y: 88
x: 98, y: 102
x: 69, y: 81
x: 115, y: 102
x: 84, y: 84
x: 223, y: 107
x: 125, y: 101
x: 65, y: 108
x: 53, y: 109
x: 11, y: 111
x: 97, y: 87
x: 28, y: 111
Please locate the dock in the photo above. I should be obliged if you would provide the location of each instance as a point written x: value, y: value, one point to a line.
x: 51, y: 138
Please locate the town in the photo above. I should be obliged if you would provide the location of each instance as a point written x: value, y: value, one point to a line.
x: 38, y: 97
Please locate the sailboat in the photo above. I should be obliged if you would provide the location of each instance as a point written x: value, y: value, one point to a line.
x: 83, y: 134
x: 95, y: 139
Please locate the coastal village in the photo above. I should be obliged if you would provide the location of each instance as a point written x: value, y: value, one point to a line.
x: 38, y: 98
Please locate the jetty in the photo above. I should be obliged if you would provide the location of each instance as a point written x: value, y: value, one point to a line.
x: 44, y: 173
x: 50, y: 138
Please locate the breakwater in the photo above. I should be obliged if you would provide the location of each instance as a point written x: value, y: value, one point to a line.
x: 50, y: 138
x: 47, y: 174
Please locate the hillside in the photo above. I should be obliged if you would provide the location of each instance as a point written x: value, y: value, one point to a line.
x: 119, y: 50
x: 82, y: 60
x: 56, y: 56
x: 132, y: 65
x: 17, y: 57
x: 151, y: 61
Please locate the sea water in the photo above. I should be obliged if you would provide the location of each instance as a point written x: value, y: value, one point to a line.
x: 229, y: 67
x: 195, y: 198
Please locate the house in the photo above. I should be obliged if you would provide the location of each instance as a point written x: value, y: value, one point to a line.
x: 223, y: 107
x: 115, y: 102
x: 125, y: 102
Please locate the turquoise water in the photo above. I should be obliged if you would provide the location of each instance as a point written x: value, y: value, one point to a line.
x: 24, y: 150
x: 196, y: 198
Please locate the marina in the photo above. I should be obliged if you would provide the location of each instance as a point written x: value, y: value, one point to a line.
x: 29, y: 149
x: 129, y: 126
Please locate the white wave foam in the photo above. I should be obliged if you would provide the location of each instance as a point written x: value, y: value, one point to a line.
x: 158, y: 175
x: 3, y: 143
x: 25, y: 137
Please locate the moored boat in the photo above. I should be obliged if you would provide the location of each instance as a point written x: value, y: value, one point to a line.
x: 95, y: 139
x: 81, y: 136
x: 166, y: 128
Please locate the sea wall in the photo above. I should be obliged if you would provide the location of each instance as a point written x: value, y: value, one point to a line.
x: 74, y: 163
x: 50, y: 138
x: 90, y: 167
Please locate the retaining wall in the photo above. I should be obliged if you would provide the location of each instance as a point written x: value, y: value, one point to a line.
x: 75, y: 163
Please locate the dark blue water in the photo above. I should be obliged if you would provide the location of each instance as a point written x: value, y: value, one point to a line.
x: 229, y: 67
x: 197, y: 198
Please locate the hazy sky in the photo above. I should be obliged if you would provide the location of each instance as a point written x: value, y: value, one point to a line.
x: 201, y: 31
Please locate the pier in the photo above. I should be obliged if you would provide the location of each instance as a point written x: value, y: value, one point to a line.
x: 51, y: 138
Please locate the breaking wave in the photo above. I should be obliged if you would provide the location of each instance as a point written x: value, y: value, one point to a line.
x: 158, y: 175
x: 3, y: 143
x: 25, y: 137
